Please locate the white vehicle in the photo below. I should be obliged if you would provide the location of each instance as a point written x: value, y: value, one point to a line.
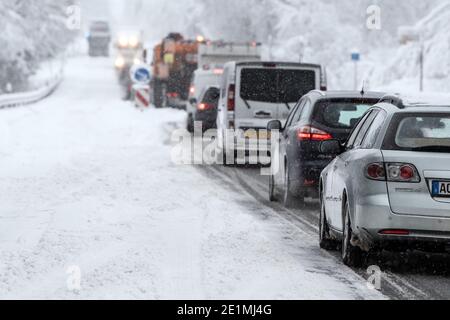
x: 254, y: 93
x: 212, y: 56
x: 217, y: 53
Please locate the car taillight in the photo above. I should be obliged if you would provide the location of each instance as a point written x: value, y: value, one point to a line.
x: 231, y: 97
x: 393, y: 172
x: 402, y: 172
x: 312, y: 134
x: 205, y: 106
x: 172, y: 94
x: 375, y: 171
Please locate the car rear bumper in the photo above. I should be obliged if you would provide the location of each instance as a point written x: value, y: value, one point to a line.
x: 208, y: 118
x: 373, y: 216
x: 176, y: 103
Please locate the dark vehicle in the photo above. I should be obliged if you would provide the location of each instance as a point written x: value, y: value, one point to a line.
x: 318, y: 116
x: 99, y: 39
x: 206, y: 109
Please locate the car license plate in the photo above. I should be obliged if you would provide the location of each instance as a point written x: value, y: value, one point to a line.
x: 440, y: 188
x: 252, y: 134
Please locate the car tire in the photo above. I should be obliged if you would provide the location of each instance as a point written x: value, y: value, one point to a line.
x: 273, y: 192
x: 325, y: 240
x: 190, y: 123
x: 351, y: 256
x: 290, y: 199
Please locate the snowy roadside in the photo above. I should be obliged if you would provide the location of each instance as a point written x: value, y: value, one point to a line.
x: 87, y: 181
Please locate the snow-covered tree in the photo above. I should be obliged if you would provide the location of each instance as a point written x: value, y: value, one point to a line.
x: 32, y: 31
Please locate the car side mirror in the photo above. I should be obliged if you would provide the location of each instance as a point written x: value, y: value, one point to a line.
x: 274, y: 125
x: 333, y: 147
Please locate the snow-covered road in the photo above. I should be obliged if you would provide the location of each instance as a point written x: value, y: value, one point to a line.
x: 86, y: 181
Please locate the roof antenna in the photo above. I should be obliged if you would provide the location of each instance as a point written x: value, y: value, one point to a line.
x: 363, y: 92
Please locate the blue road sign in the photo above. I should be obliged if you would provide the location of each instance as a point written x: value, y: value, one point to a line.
x: 356, y: 56
x: 140, y: 74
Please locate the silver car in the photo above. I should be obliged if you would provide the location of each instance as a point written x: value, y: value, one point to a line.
x: 389, y: 186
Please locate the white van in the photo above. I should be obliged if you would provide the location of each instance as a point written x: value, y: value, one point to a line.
x: 212, y: 56
x: 254, y: 93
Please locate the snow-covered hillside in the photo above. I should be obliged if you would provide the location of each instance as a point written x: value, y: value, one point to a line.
x: 321, y: 31
x: 401, y: 68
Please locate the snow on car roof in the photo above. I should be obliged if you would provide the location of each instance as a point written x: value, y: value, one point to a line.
x: 425, y: 99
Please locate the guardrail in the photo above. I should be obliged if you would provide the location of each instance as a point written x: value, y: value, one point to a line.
x: 24, y: 98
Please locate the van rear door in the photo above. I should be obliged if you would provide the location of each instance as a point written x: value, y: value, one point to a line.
x: 267, y: 91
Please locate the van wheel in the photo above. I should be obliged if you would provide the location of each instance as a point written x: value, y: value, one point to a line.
x: 325, y: 240
x: 351, y: 256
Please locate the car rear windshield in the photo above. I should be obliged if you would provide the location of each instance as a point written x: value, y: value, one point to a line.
x: 423, y: 133
x: 341, y: 113
x: 276, y: 85
x: 211, y: 96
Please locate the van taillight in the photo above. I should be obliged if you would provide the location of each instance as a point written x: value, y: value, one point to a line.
x: 231, y: 97
x: 308, y: 133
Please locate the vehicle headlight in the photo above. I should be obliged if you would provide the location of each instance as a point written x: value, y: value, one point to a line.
x: 123, y: 41
x: 134, y: 41
x: 137, y: 61
x: 120, y: 62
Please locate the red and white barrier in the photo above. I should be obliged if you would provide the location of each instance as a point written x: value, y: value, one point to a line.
x: 141, y: 96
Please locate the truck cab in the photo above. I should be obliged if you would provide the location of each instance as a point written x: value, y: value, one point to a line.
x: 99, y: 38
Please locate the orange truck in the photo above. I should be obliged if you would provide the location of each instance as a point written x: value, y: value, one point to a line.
x: 174, y: 62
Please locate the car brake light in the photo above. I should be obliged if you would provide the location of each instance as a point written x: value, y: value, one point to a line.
x: 375, y: 171
x: 394, y: 232
x: 402, y: 172
x: 393, y: 172
x: 312, y: 134
x: 172, y: 95
x: 269, y: 65
x: 204, y: 106
x: 231, y: 97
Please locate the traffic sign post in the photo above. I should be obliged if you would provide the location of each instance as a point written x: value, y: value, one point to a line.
x: 356, y: 57
x: 141, y: 75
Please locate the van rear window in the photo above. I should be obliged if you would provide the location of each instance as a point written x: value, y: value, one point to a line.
x: 276, y: 85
